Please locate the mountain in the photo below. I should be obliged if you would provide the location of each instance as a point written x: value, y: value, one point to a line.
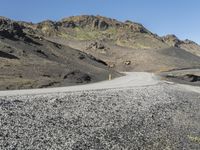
x: 87, y: 28
x: 83, y: 49
x: 125, y: 46
x: 128, y: 33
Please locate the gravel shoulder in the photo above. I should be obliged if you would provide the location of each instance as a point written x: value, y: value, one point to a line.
x: 133, y: 114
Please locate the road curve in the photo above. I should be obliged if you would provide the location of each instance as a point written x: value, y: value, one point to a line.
x: 131, y: 79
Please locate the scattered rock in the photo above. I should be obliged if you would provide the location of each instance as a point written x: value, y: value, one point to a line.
x: 112, y: 65
x: 81, y: 56
x: 128, y: 62
x: 96, y: 45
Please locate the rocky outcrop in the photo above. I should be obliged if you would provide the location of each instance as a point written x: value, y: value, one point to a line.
x: 10, y: 29
x: 172, y: 40
x: 136, y: 27
x: 100, y: 24
x: 47, y: 28
x: 13, y: 30
x: 7, y: 24
x: 96, y: 45
x: 94, y: 22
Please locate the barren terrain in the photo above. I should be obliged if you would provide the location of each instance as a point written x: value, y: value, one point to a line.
x: 67, y: 102
x: 85, y: 49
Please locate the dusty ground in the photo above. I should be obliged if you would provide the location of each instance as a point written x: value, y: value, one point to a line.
x: 156, y: 115
x: 148, y: 60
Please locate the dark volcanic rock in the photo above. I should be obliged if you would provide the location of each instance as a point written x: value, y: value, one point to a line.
x: 12, y: 30
x: 78, y: 76
x: 7, y: 24
x: 192, y: 78
x: 187, y: 77
x: 8, y: 56
x: 9, y: 27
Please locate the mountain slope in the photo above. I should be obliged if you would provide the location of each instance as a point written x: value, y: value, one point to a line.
x: 29, y: 61
x: 187, y: 45
x: 128, y: 59
x: 125, y: 46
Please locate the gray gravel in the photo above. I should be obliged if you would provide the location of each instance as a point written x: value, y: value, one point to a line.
x: 161, y: 116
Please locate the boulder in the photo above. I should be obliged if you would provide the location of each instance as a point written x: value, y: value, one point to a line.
x: 128, y: 62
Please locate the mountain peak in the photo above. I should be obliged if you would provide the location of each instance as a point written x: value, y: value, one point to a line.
x: 100, y: 22
x: 96, y: 22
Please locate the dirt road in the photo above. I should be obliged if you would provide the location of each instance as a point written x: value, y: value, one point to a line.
x: 131, y: 79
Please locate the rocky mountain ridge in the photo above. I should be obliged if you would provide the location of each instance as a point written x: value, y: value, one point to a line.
x: 86, y: 27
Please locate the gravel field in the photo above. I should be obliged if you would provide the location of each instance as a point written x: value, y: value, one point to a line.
x: 161, y: 116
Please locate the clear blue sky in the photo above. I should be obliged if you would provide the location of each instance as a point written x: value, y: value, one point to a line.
x: 180, y: 17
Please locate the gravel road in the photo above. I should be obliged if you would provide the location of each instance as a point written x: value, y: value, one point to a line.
x: 137, y: 111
